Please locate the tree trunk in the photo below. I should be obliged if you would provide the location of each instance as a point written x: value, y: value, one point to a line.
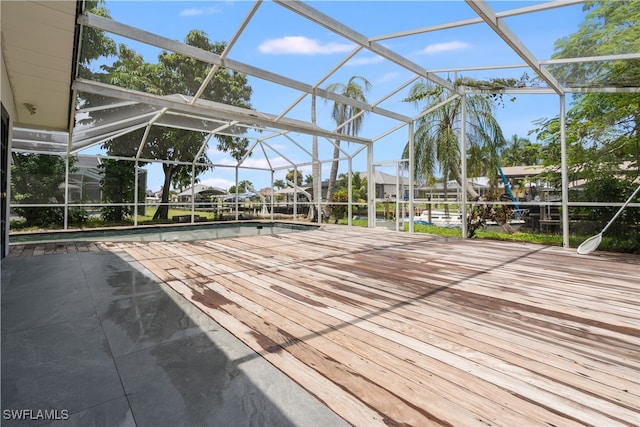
x: 446, y: 196
x: 457, y: 174
x: 507, y: 228
x: 163, y: 210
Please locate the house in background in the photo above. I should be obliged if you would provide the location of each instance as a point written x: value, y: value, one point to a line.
x: 201, y: 192
x: 85, y: 183
x: 84, y: 180
x: 526, y: 182
x: 287, y: 195
x: 387, y: 185
x: 436, y: 191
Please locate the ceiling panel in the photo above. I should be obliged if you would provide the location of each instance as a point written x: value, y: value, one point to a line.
x: 37, y: 45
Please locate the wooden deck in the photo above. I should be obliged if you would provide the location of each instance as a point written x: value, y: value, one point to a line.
x: 390, y: 328
x: 35, y: 249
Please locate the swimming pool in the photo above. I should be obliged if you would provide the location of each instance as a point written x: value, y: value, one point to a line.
x: 163, y: 233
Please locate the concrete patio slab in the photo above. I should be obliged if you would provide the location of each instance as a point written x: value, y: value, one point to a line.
x: 94, y: 339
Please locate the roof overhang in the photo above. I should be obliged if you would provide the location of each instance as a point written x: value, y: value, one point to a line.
x: 39, y: 43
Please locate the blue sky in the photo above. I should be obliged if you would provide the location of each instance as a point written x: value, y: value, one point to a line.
x: 280, y: 41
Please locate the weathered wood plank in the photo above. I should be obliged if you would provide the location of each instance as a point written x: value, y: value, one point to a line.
x: 459, y: 323
x: 444, y: 342
x: 343, y: 403
x: 390, y: 327
x: 82, y: 247
x: 93, y: 247
x: 360, y: 373
x: 16, y: 250
x: 437, y: 382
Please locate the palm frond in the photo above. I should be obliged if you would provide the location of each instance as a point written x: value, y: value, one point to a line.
x: 437, y: 134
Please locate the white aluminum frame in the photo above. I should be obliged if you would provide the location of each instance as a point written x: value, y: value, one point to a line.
x: 280, y: 125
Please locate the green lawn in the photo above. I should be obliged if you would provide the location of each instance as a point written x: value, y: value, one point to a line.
x: 96, y: 222
x: 607, y: 244
x: 148, y: 218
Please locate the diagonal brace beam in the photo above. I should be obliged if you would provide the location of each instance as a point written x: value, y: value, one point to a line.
x: 133, y: 33
x: 331, y: 24
x: 213, y: 110
x: 489, y: 17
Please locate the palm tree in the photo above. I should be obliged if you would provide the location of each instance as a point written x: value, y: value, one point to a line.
x: 348, y: 114
x: 242, y: 187
x: 294, y: 176
x: 437, y: 136
x: 279, y: 184
x: 520, y: 152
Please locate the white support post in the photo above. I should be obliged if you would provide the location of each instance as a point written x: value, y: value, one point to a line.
x: 193, y: 193
x: 237, y: 196
x: 398, y: 196
x: 411, y: 175
x: 371, y: 196
x: 317, y: 166
x: 66, y: 191
x: 350, y: 192
x: 135, y: 195
x: 463, y: 163
x: 7, y: 195
x: 295, y: 193
x: 564, y: 173
x: 272, y: 196
x: 66, y: 170
x: 319, y: 190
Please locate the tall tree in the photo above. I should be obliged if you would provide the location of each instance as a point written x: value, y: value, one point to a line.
x: 176, y: 73
x: 610, y: 27
x: 356, y: 88
x: 118, y: 182
x: 520, y: 152
x: 279, y: 184
x: 308, y: 179
x: 298, y: 176
x: 184, y: 75
x: 118, y: 187
x: 358, y: 186
x: 95, y: 43
x: 243, y: 187
x: 437, y: 136
x: 38, y: 178
x: 603, y: 128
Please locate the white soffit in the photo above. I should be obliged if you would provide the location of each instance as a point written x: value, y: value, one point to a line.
x: 37, y: 45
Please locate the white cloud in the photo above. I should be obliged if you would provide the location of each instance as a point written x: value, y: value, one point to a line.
x: 365, y: 61
x: 302, y: 46
x: 218, y: 182
x: 444, y: 47
x: 258, y: 163
x: 262, y: 163
x: 200, y: 11
x: 388, y: 77
x: 280, y: 146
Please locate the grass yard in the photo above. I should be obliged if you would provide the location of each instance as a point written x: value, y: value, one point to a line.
x: 148, y: 218
x: 607, y: 244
